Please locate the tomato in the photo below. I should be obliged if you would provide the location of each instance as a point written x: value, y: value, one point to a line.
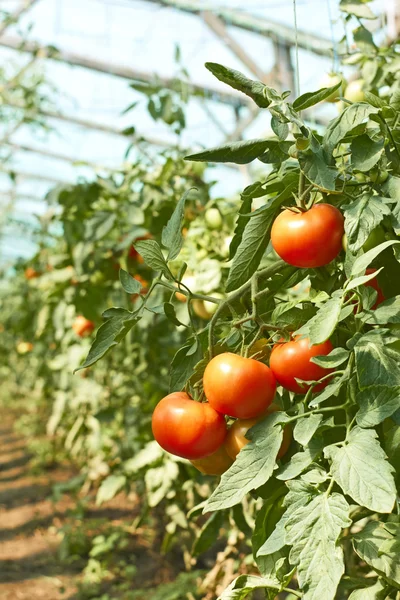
x: 82, y: 326
x: 24, y: 347
x: 237, y: 386
x: 236, y: 437
x: 302, y: 143
x: 189, y: 281
x: 204, y: 308
x: 291, y: 360
x: 361, y: 177
x: 329, y: 80
x: 376, y: 237
x: 344, y: 242
x: 293, y: 151
x: 375, y: 285
x: 215, y: 464
x: 354, y: 91
x: 308, y: 239
x: 31, y: 273
x: 378, y: 175
x: 187, y: 428
x: 213, y: 218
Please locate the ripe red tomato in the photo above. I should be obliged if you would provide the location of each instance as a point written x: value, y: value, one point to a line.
x: 187, y: 428
x: 292, y: 359
x: 215, y: 464
x: 238, y: 387
x: 308, y: 239
x: 31, y: 273
x: 236, y: 437
x: 82, y: 326
x: 375, y: 285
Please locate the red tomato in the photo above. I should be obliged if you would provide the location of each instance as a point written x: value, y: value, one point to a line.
x: 292, y: 359
x: 236, y: 437
x: 238, y: 387
x: 31, y: 273
x: 82, y: 326
x: 215, y: 464
x: 187, y: 428
x: 308, y: 239
x: 375, y: 285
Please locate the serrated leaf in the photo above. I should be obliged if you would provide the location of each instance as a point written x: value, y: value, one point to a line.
x: 172, y: 237
x: 387, y: 312
x: 300, y: 461
x: 240, y: 153
x: 245, y: 585
x: 313, y: 527
x: 376, y: 404
x: 367, y: 544
x: 361, y: 217
x: 182, y: 366
x: 311, y: 98
x: 365, y: 153
x: 110, y: 488
x: 209, y: 533
x: 376, y: 362
x: 363, y: 261
x: 361, y: 469
x: 334, y: 359
x: 129, y: 283
x: 349, y: 119
x: 378, y: 591
x: 253, y: 466
x: 152, y: 256
x: 305, y: 428
x: 317, y: 170
x: 322, y: 326
x: 238, y: 81
x: 110, y: 334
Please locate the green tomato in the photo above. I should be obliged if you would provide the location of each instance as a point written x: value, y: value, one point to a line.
x: 360, y: 177
x: 213, y: 218
x: 293, y: 152
x: 378, y: 175
x: 354, y: 91
x: 376, y: 237
x: 302, y: 143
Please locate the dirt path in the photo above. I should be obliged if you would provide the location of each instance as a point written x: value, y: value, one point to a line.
x: 29, y: 569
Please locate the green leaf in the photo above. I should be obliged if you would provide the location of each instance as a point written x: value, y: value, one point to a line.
x: 244, y: 585
x: 254, y: 242
x: 170, y: 313
x: 277, y: 152
x: 305, y: 428
x: 300, y: 461
x: 378, y: 591
x: 361, y: 469
x: 240, y: 153
x: 367, y: 544
x: 242, y: 220
x: 332, y: 389
x: 365, y: 153
x: 362, y: 280
x: 315, y: 168
x: 361, y: 217
x: 129, y: 283
x: 333, y: 359
x: 322, y: 326
x: 376, y: 404
x: 159, y: 481
x: 349, y: 119
x: 387, y: 312
x: 147, y: 456
x: 183, y: 365
x: 110, y: 488
x: 314, y: 524
x: 377, y: 363
x: 280, y: 129
x: 209, y: 534
x: 238, y: 81
x: 172, y: 237
x: 152, y: 256
x: 363, y: 261
x: 311, y: 98
x: 358, y: 8
x: 364, y: 40
x: 110, y: 334
x: 253, y: 466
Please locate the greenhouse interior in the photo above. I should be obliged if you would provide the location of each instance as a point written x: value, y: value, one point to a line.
x: 200, y: 300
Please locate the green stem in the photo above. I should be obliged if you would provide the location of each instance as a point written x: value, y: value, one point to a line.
x: 318, y: 411
x: 186, y: 292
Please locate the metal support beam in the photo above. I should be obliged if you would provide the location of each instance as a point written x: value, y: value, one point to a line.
x: 273, y: 30
x: 70, y: 58
x: 57, y: 156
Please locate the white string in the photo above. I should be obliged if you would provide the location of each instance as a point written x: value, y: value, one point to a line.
x: 297, y: 70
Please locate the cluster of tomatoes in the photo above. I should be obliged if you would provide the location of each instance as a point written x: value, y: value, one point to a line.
x: 243, y: 388
x: 235, y: 387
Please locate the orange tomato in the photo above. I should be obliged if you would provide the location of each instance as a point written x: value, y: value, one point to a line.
x: 215, y: 464
x: 82, y: 326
